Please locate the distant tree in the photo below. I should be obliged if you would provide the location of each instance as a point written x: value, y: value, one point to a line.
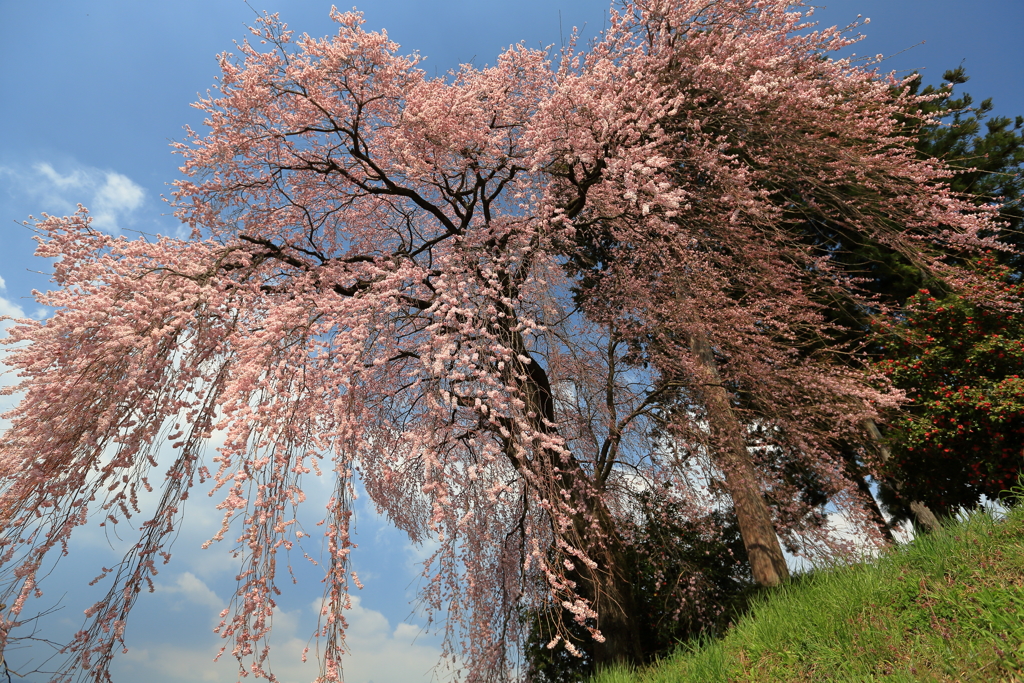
x: 988, y: 154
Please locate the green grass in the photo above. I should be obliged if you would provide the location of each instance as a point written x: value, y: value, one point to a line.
x: 947, y: 607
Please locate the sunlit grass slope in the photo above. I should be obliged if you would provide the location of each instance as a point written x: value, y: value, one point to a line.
x: 947, y: 607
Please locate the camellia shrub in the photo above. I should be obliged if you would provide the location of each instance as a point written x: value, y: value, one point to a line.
x: 960, y: 360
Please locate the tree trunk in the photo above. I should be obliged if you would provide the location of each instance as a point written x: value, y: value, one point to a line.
x: 856, y: 472
x: 611, y: 595
x: 876, y: 512
x: 924, y: 516
x: 607, y: 586
x: 767, y: 563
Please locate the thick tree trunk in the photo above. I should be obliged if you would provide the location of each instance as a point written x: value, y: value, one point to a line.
x: 767, y: 563
x: 611, y: 595
x: 606, y: 586
x: 923, y: 515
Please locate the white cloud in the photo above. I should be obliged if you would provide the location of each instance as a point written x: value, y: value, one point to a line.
x: 864, y: 549
x: 118, y: 194
x: 379, y: 654
x: 111, y: 197
x: 7, y: 378
x: 73, y: 180
x: 9, y: 308
x: 193, y: 590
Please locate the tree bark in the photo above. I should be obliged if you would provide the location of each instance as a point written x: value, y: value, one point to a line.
x: 607, y: 587
x: 857, y: 473
x: 767, y: 563
x: 611, y: 595
x: 874, y: 509
x: 923, y: 515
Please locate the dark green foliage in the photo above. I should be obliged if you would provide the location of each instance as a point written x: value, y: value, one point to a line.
x: 992, y: 161
x: 962, y: 365
x: 689, y: 577
x: 989, y: 153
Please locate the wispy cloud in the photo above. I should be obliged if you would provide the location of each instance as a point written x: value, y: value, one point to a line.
x: 379, y: 653
x: 7, y: 378
x: 9, y: 308
x: 112, y: 198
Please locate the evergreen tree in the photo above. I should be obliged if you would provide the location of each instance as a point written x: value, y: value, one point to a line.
x: 991, y: 162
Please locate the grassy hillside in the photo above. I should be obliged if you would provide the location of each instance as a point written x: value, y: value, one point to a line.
x: 948, y: 607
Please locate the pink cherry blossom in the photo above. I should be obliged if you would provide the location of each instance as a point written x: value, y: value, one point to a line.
x: 377, y: 280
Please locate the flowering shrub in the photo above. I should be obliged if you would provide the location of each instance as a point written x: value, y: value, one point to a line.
x: 960, y: 359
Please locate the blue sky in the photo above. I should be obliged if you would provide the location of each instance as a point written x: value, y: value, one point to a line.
x: 93, y: 92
